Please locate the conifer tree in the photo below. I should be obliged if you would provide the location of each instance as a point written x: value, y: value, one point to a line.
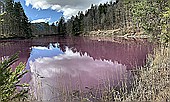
x: 62, y: 26
x: 10, y: 81
x: 15, y: 22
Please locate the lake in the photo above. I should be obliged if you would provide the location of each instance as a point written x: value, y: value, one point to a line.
x: 61, y: 64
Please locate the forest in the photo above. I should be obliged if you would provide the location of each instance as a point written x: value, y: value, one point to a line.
x: 133, y: 17
x: 13, y: 21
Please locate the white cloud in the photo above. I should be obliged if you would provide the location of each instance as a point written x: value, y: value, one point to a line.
x: 55, y: 7
x: 70, y: 69
x: 68, y: 7
x: 41, y: 20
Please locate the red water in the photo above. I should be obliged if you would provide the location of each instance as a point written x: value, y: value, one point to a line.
x: 75, y: 62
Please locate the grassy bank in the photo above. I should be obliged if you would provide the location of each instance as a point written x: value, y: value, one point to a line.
x: 152, y: 82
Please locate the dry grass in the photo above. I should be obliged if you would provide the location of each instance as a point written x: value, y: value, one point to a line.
x: 152, y: 83
x: 149, y: 83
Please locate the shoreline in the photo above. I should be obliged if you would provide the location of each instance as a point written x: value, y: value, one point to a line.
x: 115, y: 33
x: 115, y: 36
x: 98, y: 35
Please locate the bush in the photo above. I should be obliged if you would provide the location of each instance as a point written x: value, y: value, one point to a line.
x: 10, y: 87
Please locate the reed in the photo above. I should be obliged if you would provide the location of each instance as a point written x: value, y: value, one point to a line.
x: 150, y: 82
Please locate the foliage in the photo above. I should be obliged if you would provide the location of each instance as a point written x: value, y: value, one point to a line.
x: 165, y: 35
x: 78, y: 24
x: 100, y: 17
x: 61, y: 26
x: 131, y: 16
x: 10, y: 87
x: 21, y: 21
x: 153, y: 16
x: 15, y: 22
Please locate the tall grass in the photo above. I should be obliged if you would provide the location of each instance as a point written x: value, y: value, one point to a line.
x: 148, y: 83
x: 152, y: 82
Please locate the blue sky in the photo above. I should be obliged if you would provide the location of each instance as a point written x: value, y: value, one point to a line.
x: 42, y: 15
x: 52, y: 10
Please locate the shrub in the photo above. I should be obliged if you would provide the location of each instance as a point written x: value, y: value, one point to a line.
x: 10, y: 87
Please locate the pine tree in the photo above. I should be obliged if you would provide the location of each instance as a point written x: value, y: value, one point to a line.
x: 15, y: 22
x: 9, y: 19
x: 22, y: 23
x: 47, y: 28
x: 17, y: 13
x: 2, y: 10
x: 69, y: 26
x: 62, y: 26
x: 10, y: 81
x: 53, y: 28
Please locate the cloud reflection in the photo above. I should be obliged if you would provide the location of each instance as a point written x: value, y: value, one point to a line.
x: 69, y: 69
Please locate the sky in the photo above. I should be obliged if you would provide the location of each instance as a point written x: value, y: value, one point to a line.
x: 52, y: 10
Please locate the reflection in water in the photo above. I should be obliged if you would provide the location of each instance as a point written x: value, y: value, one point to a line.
x: 9, y: 48
x: 38, y: 52
x: 74, y: 62
x: 69, y: 69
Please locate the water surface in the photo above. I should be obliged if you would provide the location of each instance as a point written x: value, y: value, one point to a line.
x: 71, y: 63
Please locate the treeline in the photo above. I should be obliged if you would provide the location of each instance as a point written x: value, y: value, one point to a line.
x: 13, y: 21
x: 108, y: 16
x: 43, y: 28
x: 150, y: 17
x: 131, y: 17
x: 128, y: 17
x: 102, y: 17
